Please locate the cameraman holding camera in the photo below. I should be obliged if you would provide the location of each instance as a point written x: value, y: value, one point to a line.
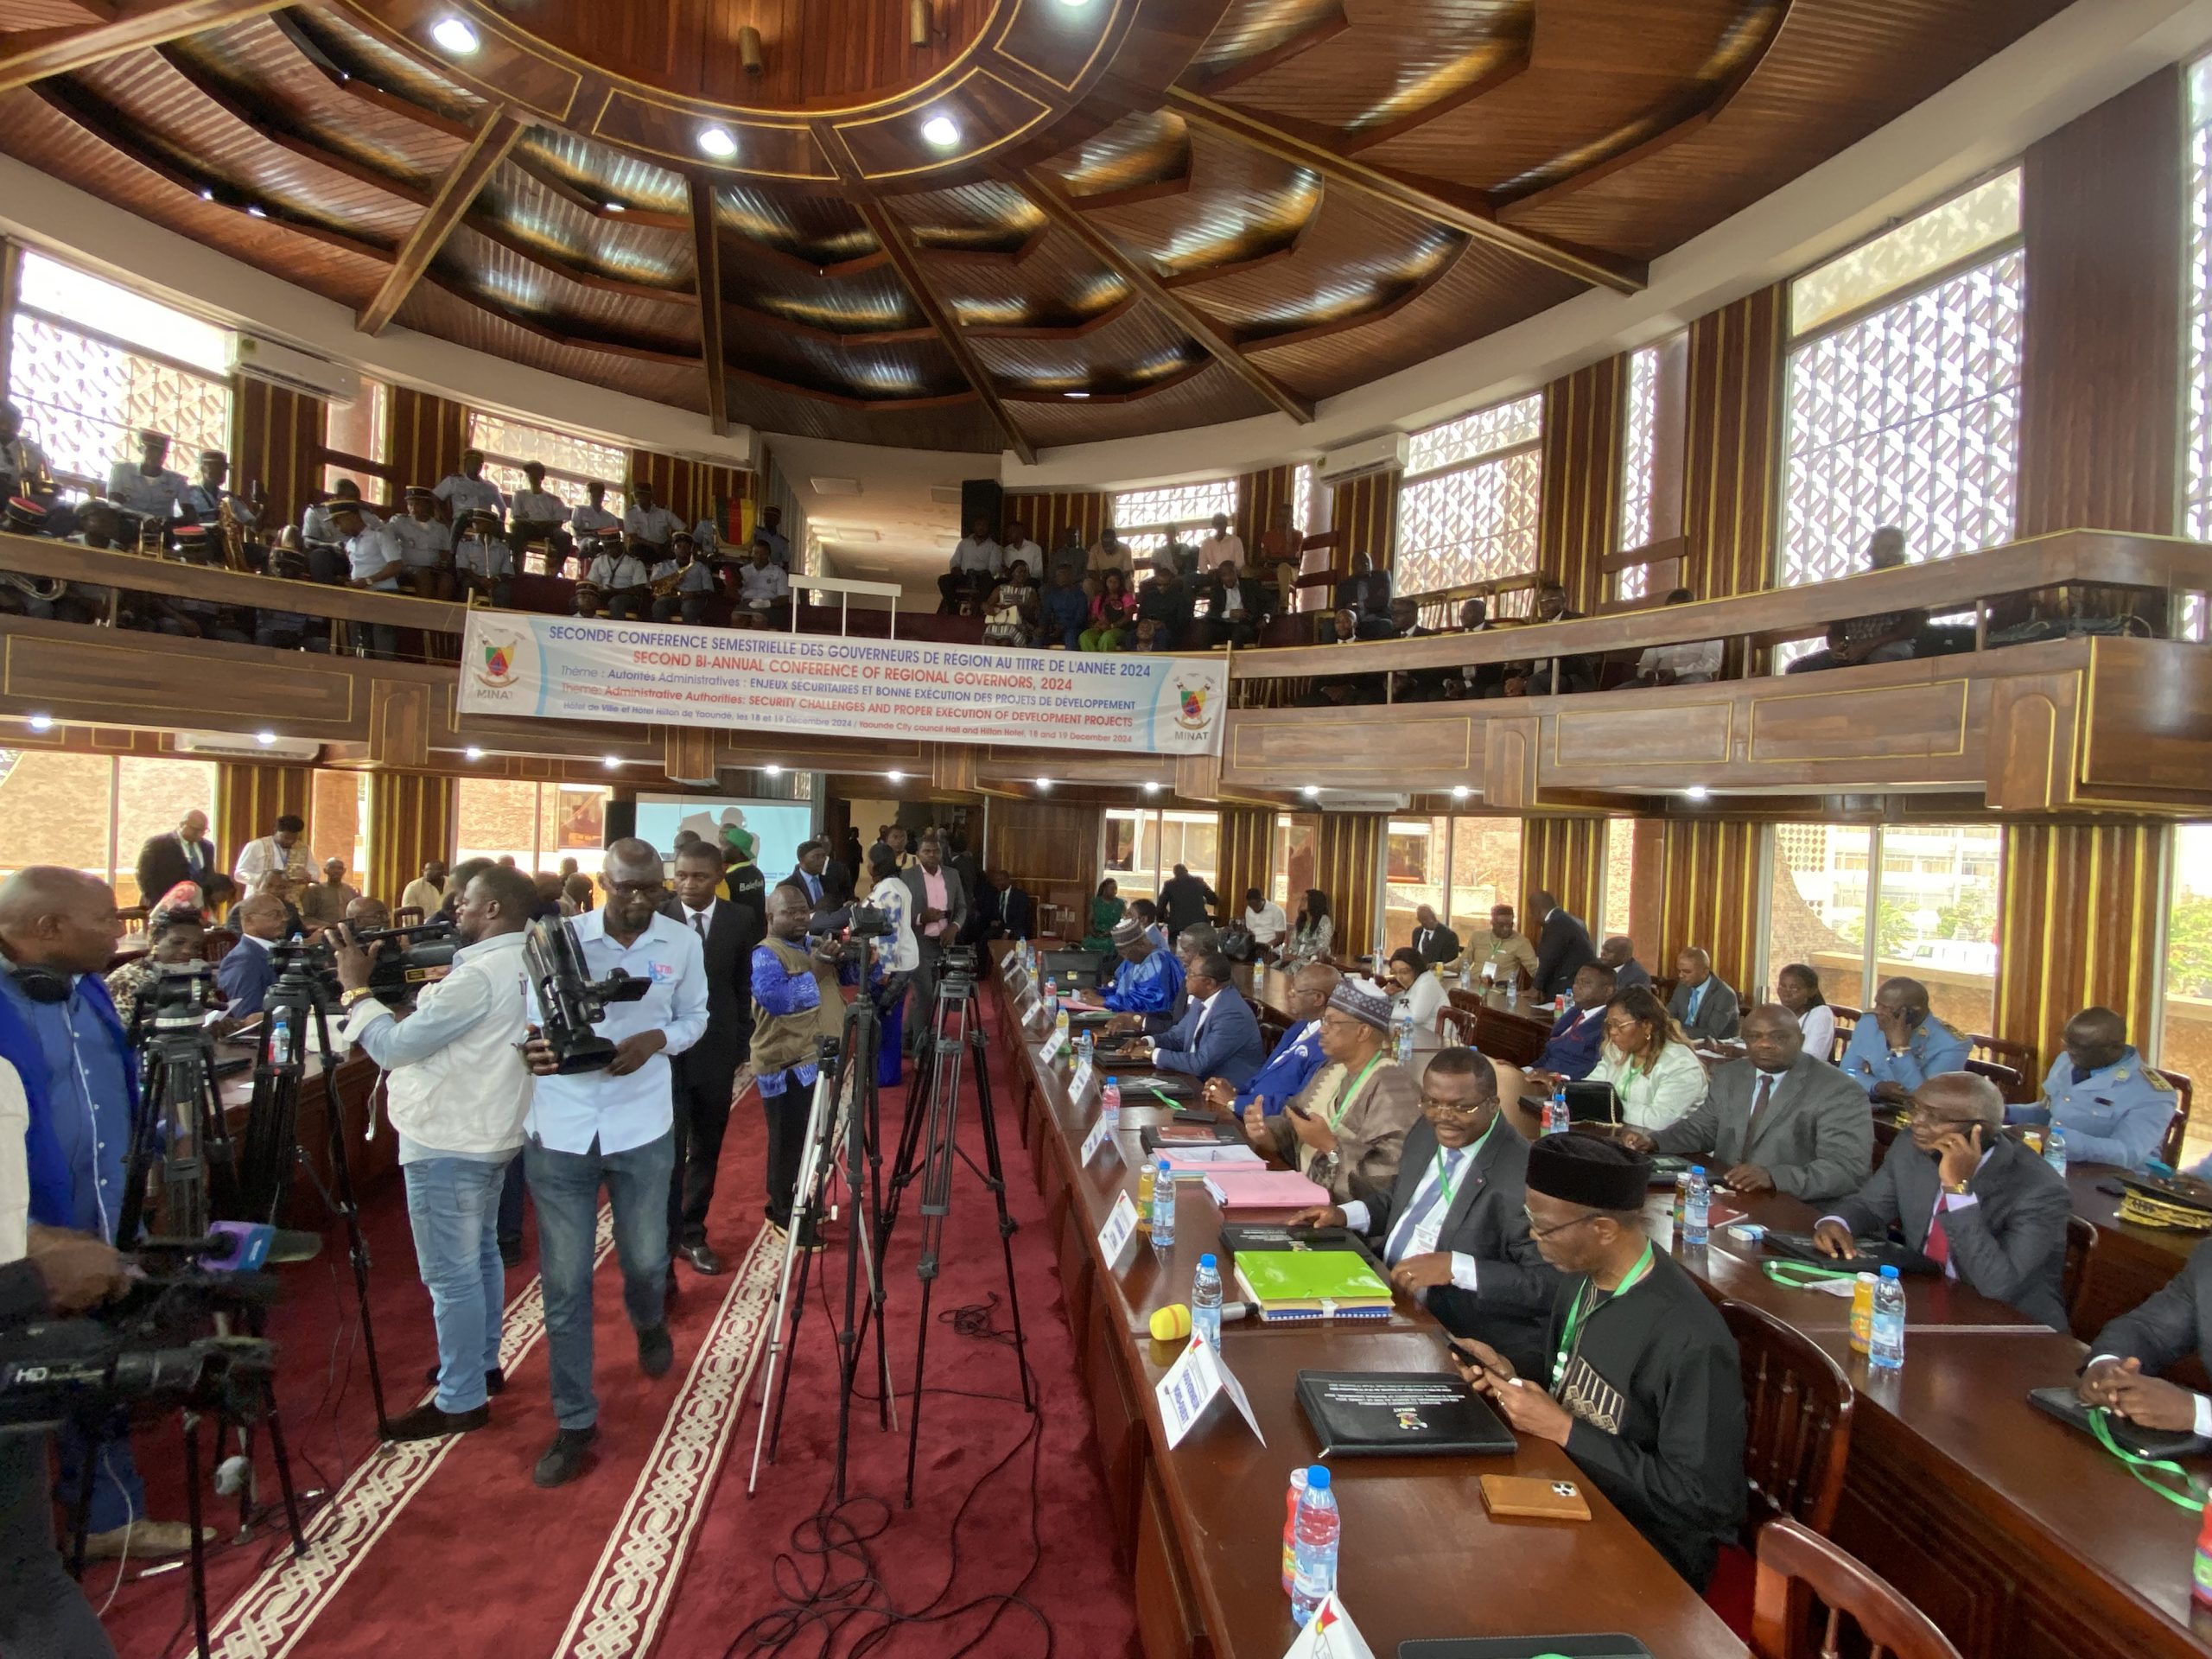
x: 457, y: 1090
x: 614, y: 1126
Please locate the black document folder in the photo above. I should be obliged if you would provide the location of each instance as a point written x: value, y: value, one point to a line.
x: 1399, y: 1414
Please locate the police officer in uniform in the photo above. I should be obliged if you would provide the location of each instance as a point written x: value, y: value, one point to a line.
x: 2112, y: 1108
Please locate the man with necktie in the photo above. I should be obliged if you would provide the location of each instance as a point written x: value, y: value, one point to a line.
x: 705, y: 1074
x: 183, y: 854
x: 1438, y: 944
x: 810, y: 877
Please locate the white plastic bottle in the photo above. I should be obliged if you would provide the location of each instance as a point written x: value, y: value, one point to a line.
x: 1319, y: 1531
x: 1206, y: 1299
x: 1401, y: 1024
x: 1886, y: 1349
x: 2054, y: 1147
x: 1163, y: 1206
x: 1697, y: 1210
x: 1109, y: 1102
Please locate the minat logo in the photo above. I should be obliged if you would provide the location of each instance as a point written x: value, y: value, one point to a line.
x: 497, y: 671
x: 1191, y: 705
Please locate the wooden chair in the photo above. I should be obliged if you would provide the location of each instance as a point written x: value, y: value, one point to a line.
x: 2081, y: 1254
x: 133, y: 918
x: 2009, y: 1081
x: 2170, y: 1149
x: 407, y: 916
x: 1797, y: 1567
x: 2003, y: 1056
x: 1846, y: 1022
x: 1456, y: 1024
x: 1797, y: 1410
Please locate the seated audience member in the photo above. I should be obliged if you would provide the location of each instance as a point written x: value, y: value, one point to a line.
x: 1192, y: 946
x: 2175, y: 1324
x: 577, y: 894
x: 1505, y: 952
x: 1007, y: 909
x: 763, y: 590
x: 1265, y: 921
x: 975, y: 566
x: 1414, y: 987
x: 1644, y: 1388
x: 650, y: 526
x: 1237, y: 605
x: 1417, y: 684
x: 1886, y: 637
x: 1148, y: 917
x: 1776, y: 1120
x: 1312, y: 930
x: 1066, y: 611
x: 586, y: 523
x: 323, y: 903
x: 1016, y: 544
x: 426, y: 892
x: 1010, y: 614
x: 1694, y: 663
x: 1148, y: 980
x: 1647, y: 1059
x: 1438, y: 944
x: 1476, y: 679
x: 1453, y: 1229
x: 1797, y: 987
x: 249, y: 968
x: 1067, y: 558
x: 320, y: 537
x: 1282, y: 548
x: 1113, y: 614
x: 1165, y: 601
x: 617, y: 580
x: 1345, y: 1128
x: 1618, y: 953
x: 173, y: 937
x: 1534, y: 678
x: 2112, y: 1108
x: 425, y: 544
x: 1297, y: 1054
x: 367, y: 914
x: 771, y: 526
x: 1106, y: 910
x: 694, y: 585
x: 1220, y: 546
x: 483, y: 562
x: 1578, y: 1033
x: 469, y: 491
x: 1109, y: 552
x: 1898, y: 1044
x: 1961, y: 1192
x: 1341, y: 691
x: 1703, y: 1004
x: 536, y: 517
x: 1218, y: 1035
x: 1366, y: 593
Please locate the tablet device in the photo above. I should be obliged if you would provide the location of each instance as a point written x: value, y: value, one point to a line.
x: 2066, y: 1405
x: 1874, y: 1253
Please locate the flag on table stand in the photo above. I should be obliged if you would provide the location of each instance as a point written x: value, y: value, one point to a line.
x: 1330, y: 1634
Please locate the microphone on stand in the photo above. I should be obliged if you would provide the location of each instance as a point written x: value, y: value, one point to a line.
x: 1173, y: 1323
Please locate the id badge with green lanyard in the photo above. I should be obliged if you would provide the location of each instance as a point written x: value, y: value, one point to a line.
x: 1423, y: 1241
x: 1570, y: 1337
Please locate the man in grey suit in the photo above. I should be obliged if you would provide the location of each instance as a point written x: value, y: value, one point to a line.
x: 1703, y: 1004
x: 2128, y: 1353
x: 1453, y: 1230
x: 940, y: 911
x: 1993, y: 1212
x: 1776, y: 1120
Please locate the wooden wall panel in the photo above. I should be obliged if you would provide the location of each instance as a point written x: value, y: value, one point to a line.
x: 1045, y: 513
x: 410, y: 819
x: 1708, y: 895
x: 2078, y: 924
x: 1581, y: 480
x: 279, y: 445
x: 427, y: 435
x: 1566, y: 857
x: 1347, y: 850
x: 249, y: 797
x: 694, y: 489
x: 2100, y: 393
x: 1247, y: 855
x: 1259, y: 496
x: 1733, y: 445
x: 1364, y: 515
x: 1050, y: 846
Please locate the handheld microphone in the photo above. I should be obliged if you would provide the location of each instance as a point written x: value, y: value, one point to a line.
x: 238, y: 1247
x: 1173, y: 1323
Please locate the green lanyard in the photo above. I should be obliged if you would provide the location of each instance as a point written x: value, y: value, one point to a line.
x: 1444, y: 1182
x: 1802, y: 1276
x: 1570, y: 1339
x: 2187, y: 1496
x: 1345, y: 1099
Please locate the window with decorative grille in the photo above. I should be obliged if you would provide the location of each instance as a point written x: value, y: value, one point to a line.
x: 1469, y: 508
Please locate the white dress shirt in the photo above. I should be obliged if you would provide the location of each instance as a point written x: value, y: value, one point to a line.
x: 586, y: 519
x: 422, y: 542
x: 1421, y: 1240
x: 538, y: 507
x: 466, y: 494
x: 1215, y: 548
x: 149, y: 495
x: 654, y: 525
x: 316, y: 526
x: 1701, y: 657
x: 1028, y: 552
x: 258, y: 858
x: 978, y: 558
x: 612, y: 572
x: 458, y: 1085
x: 762, y: 585
x: 1267, y: 924
x: 370, y: 552
x: 567, y: 1113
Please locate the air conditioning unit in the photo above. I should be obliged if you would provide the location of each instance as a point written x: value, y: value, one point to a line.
x: 1347, y: 800
x: 230, y: 746
x: 280, y: 365
x: 1368, y: 456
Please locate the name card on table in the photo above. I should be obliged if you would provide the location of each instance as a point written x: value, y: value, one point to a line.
x: 1080, y: 1081
x: 1121, y: 1227
x: 1054, y: 1045
x: 1190, y: 1387
x: 1096, y: 1139
x: 1330, y: 1634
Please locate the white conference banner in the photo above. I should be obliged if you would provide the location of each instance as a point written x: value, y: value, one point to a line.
x: 578, y: 668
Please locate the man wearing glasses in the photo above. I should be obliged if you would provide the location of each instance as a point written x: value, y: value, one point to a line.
x: 613, y: 1128
x: 1344, y: 1129
x: 1988, y: 1209
x: 1638, y: 1379
x: 1451, y: 1228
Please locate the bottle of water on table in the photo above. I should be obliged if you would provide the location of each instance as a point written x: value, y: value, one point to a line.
x: 1316, y: 1535
x: 1885, y: 1350
x: 1163, y: 1205
x: 1401, y: 1026
x: 1697, y: 1210
x: 1205, y: 1300
x: 1109, y: 1102
x: 1556, y: 1118
x: 2054, y: 1147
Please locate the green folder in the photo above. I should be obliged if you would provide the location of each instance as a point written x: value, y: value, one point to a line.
x: 1295, y: 1283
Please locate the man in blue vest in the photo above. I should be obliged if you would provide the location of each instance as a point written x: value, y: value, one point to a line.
x: 58, y: 1027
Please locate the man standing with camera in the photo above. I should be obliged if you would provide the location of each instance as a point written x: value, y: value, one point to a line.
x: 706, y: 1071
x: 457, y: 1089
x: 613, y: 1126
x: 794, y: 1001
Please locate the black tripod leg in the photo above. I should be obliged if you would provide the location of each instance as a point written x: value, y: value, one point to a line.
x: 284, y: 1461
x: 81, y: 1506
x: 191, y: 1519
x: 914, y: 1413
x: 342, y: 1200
x: 1007, y: 1226
x: 803, y: 1216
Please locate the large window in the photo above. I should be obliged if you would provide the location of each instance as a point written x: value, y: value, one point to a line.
x: 357, y: 443
x: 1469, y: 508
x: 2197, y: 457
x: 1861, y: 903
x: 90, y: 363
x: 1143, y: 520
x: 2185, y: 1027
x: 570, y: 462
x: 1458, y: 867
x: 1639, y: 464
x: 1617, y: 912
x: 1145, y: 844
x: 92, y: 812
x: 536, y: 824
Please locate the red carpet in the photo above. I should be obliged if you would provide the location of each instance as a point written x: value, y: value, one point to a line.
x: 657, y: 1548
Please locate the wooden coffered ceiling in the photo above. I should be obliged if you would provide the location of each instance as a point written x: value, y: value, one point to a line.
x: 1149, y: 214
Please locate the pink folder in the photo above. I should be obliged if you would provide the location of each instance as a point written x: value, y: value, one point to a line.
x: 1264, y: 1189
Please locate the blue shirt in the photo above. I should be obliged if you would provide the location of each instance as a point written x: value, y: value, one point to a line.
x: 1153, y: 986
x: 567, y: 1114
x: 1935, y: 1048
x: 2115, y: 1115
x: 1697, y: 995
x: 1288, y: 1069
x: 89, y: 1105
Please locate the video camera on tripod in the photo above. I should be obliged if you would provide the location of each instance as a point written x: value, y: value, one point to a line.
x: 852, y: 929
x: 424, y: 952
x: 569, y: 1002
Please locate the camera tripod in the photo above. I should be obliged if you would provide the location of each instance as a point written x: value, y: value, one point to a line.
x: 841, y: 1128
x: 929, y: 1144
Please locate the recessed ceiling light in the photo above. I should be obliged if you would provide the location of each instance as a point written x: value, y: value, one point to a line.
x: 1460, y: 791
x: 614, y: 208
x: 475, y: 753
x: 612, y: 762
x: 1151, y: 789
x: 773, y: 772
x: 207, y: 194
x: 41, y: 723
x: 455, y: 34
x: 718, y: 141
x: 1311, y: 792
x: 1043, y: 784
x: 255, y: 210
x: 941, y: 131
x: 265, y: 739
x: 1697, y: 791
x: 896, y: 776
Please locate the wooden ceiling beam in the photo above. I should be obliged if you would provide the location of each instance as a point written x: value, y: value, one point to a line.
x: 846, y: 400
x: 450, y: 204
x: 1326, y: 28
x: 1049, y: 194
x: 906, y: 259
x: 1513, y: 63
x: 35, y: 53
x: 707, y: 253
x: 1431, y: 199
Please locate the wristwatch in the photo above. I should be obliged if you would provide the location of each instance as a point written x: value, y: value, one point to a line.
x: 1956, y: 1189
x: 353, y: 996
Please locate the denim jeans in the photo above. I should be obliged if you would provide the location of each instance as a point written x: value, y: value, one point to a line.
x: 452, y: 1203
x: 564, y: 1186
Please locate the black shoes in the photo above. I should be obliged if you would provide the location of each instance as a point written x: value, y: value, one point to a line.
x: 564, y: 1459
x: 656, y: 1351
x: 495, y: 1379
x: 702, y: 1257
x: 427, y: 1422
x: 511, y: 1252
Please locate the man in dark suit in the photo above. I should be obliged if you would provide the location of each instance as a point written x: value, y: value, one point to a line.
x: 184, y: 854
x: 1366, y: 593
x: 1008, y: 910
x: 249, y: 968
x: 811, y: 878
x: 704, y: 1075
x: 1219, y: 1035
x: 1776, y: 1120
x: 940, y: 911
x: 1238, y: 605
x: 1452, y: 1229
x: 1703, y: 1003
x: 1578, y: 1034
x: 1186, y: 901
x: 1562, y: 945
x: 836, y: 881
x: 2130, y: 1352
x: 1991, y: 1212
x: 1436, y: 943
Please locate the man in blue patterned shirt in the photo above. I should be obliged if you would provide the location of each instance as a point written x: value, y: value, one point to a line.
x: 1149, y: 980
x: 795, y: 1001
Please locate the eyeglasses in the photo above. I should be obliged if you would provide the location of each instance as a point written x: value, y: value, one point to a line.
x: 1340, y: 1021
x: 1534, y: 1231
x: 1622, y: 1025
x: 1436, y: 1108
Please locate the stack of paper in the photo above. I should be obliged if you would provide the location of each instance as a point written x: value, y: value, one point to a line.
x: 1196, y: 1163
x: 1312, y: 1284
x: 1242, y: 1187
